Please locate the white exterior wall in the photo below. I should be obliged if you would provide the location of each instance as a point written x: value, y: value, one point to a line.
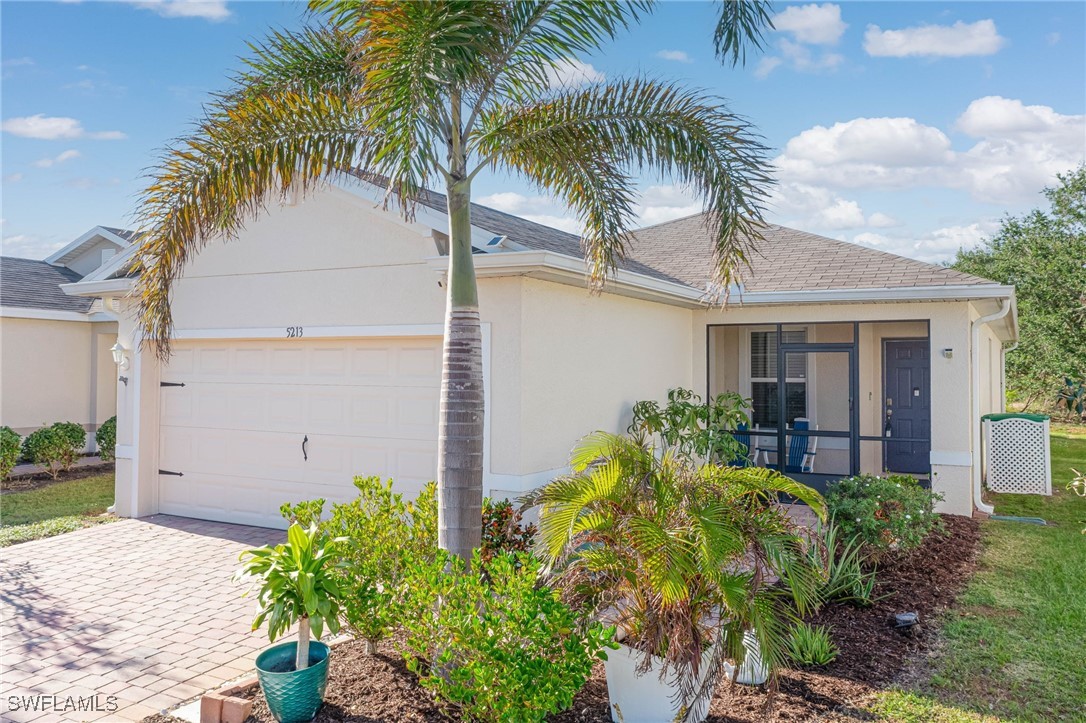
x: 56, y: 371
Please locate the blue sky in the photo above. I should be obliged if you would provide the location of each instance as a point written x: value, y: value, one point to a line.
x: 911, y: 127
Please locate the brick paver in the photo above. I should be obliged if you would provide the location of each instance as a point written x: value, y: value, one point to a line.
x: 143, y: 610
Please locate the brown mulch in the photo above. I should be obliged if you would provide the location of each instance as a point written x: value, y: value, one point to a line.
x: 27, y: 482
x: 364, y: 689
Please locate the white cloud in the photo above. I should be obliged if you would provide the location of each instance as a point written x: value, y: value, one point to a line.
x: 882, y: 220
x: 814, y: 24
x: 668, y: 202
x: 13, y: 178
x: 767, y: 65
x: 679, y: 56
x: 572, y: 73
x: 15, y: 62
x: 798, y: 57
x: 540, y: 209
x: 29, y: 246
x: 213, y: 10
x: 934, y: 247
x: 940, y: 41
x: 1052, y: 38
x: 86, y: 183
x: 53, y: 128
x: 1018, y: 151
x: 58, y: 159
x: 814, y: 208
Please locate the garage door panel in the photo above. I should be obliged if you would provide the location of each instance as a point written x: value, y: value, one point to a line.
x: 235, y: 430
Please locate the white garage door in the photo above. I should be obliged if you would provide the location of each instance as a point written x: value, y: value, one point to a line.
x: 231, y: 446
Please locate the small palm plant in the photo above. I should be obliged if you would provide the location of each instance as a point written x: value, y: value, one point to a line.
x: 681, y: 558
x: 297, y: 585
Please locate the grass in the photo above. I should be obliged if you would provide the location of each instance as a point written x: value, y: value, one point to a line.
x: 54, y: 509
x: 1012, y: 647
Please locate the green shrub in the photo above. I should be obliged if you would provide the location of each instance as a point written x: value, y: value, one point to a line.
x: 384, y: 534
x: 106, y: 437
x: 694, y: 427
x: 883, y: 513
x: 55, y: 448
x: 504, y: 529
x: 9, y: 450
x: 498, y: 647
x: 842, y: 563
x: 811, y: 645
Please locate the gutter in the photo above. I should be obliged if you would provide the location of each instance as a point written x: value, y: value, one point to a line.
x: 1004, y: 309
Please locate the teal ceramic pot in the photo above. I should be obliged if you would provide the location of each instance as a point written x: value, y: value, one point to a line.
x: 294, y: 696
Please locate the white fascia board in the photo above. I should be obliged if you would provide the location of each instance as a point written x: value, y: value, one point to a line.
x: 564, y: 269
x: 429, y: 217
x: 107, y: 287
x: 74, y: 246
x: 19, y: 312
x: 898, y: 293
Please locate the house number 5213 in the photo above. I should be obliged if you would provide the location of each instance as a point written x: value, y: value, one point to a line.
x: 294, y: 332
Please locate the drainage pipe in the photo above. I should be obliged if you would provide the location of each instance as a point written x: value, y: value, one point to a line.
x: 974, y: 353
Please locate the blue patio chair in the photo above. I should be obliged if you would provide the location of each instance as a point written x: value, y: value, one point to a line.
x: 742, y: 436
x: 801, y: 450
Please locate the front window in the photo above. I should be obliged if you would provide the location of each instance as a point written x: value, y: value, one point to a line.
x: 763, y: 378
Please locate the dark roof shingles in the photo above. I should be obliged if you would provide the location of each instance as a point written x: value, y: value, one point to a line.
x: 33, y: 284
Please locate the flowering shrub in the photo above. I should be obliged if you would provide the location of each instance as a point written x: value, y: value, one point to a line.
x: 884, y: 513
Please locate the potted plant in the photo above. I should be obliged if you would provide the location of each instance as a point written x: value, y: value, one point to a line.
x: 683, y: 559
x: 297, y: 585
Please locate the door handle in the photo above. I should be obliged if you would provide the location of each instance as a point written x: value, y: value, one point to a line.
x: 305, y: 452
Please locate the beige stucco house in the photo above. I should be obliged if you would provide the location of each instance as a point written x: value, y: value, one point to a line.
x: 55, y: 363
x: 309, y: 350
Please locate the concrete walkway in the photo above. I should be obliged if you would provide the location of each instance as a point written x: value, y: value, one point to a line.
x: 125, y: 619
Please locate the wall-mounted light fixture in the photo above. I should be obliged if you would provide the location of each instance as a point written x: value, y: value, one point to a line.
x: 121, y: 360
x: 948, y: 353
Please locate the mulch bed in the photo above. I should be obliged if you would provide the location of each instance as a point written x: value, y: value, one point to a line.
x: 872, y: 654
x: 27, y: 482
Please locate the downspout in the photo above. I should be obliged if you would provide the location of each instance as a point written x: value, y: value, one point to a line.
x: 1004, y: 309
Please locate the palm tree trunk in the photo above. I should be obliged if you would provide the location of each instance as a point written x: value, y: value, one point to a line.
x: 460, y: 440
x: 301, y: 655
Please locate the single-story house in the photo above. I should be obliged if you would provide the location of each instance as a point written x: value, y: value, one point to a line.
x: 55, y: 363
x: 309, y: 350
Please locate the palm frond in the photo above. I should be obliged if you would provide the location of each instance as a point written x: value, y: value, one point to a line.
x: 742, y: 25
x: 574, y: 144
x: 248, y: 148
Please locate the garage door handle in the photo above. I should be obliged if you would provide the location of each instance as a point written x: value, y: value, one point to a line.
x: 305, y: 452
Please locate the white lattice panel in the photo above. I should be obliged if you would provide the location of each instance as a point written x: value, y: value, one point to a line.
x: 1018, y: 458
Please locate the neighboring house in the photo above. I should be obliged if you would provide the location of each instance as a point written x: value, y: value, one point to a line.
x: 309, y: 350
x: 55, y: 363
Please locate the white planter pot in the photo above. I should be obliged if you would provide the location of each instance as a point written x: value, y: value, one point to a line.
x: 647, y: 698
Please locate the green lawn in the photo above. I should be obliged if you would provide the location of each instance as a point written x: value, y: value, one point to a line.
x: 53, y: 509
x: 1013, y: 648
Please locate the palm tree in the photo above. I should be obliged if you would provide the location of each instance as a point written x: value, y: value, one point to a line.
x: 416, y: 92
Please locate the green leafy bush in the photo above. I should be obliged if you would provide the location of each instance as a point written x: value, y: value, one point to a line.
x: 842, y: 562
x: 55, y: 448
x: 498, y: 647
x: 504, y: 530
x: 811, y: 645
x: 883, y: 513
x: 296, y: 585
x: 385, y: 534
x: 106, y: 437
x: 694, y: 427
x: 9, y: 450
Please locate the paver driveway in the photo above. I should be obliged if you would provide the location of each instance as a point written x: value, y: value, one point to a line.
x: 143, y: 610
